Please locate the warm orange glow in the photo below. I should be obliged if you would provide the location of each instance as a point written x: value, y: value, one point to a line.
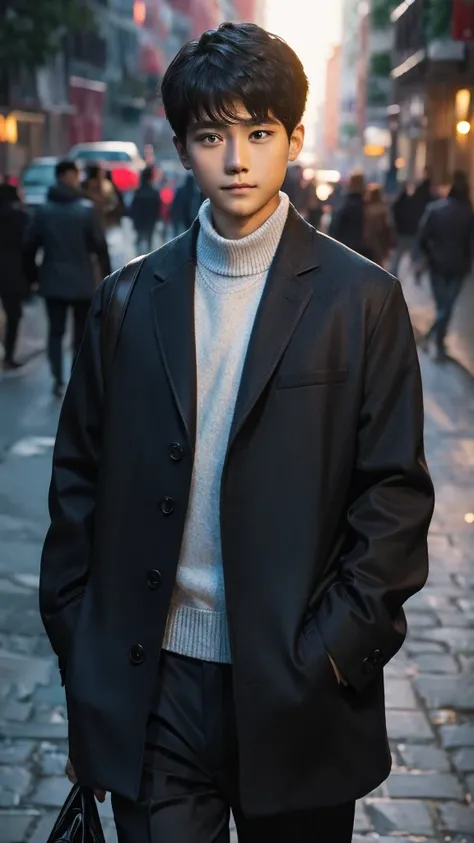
x: 463, y: 127
x: 374, y: 150
x: 139, y: 12
x: 462, y: 103
x: 8, y: 129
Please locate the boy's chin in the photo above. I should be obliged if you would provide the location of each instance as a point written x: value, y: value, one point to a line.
x: 242, y: 207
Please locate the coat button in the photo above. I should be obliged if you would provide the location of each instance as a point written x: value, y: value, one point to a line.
x: 153, y: 579
x: 175, y: 452
x: 376, y: 657
x: 167, y: 506
x: 137, y: 654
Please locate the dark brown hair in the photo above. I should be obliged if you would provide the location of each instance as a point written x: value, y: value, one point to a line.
x: 234, y: 64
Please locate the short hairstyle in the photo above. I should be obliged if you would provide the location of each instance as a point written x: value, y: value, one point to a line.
x: 93, y: 171
x: 65, y: 166
x: 236, y: 63
x: 374, y: 192
x: 147, y: 175
x: 356, y: 183
x: 8, y: 194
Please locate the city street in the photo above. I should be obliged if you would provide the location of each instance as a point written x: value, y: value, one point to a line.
x: 429, y: 685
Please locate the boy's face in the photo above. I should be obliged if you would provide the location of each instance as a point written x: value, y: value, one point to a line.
x: 241, y: 166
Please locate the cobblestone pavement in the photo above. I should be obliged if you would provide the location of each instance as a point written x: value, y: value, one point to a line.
x: 429, y: 685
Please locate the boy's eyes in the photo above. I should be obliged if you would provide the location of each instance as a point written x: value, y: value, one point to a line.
x: 211, y: 139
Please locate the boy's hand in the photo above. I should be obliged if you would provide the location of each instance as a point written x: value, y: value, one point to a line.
x: 99, y: 794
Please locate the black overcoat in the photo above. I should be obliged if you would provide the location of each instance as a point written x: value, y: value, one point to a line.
x: 325, y: 506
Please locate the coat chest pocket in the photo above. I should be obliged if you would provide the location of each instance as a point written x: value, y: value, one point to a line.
x: 293, y: 380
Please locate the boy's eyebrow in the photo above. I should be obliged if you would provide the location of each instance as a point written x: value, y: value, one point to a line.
x: 221, y: 124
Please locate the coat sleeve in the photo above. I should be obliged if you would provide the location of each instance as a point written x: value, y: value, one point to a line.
x: 72, y: 495
x: 360, y: 618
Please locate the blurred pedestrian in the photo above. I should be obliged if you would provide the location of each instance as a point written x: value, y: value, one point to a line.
x: 167, y: 193
x: 315, y: 206
x: 406, y: 218
x: 116, y: 213
x: 237, y: 516
x: 298, y: 190
x: 424, y: 194
x: 145, y: 211
x: 101, y: 191
x: 347, y: 222
x: 378, y: 229
x: 446, y: 238
x: 14, y: 276
x: 186, y: 203
x: 68, y: 231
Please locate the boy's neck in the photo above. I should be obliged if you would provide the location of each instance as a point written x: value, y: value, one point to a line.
x: 235, y: 228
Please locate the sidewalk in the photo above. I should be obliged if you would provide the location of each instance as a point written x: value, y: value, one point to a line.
x: 429, y: 685
x: 461, y: 332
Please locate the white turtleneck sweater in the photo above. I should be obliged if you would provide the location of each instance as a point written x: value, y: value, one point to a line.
x: 230, y: 279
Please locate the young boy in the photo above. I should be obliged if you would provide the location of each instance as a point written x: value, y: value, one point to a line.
x: 240, y: 505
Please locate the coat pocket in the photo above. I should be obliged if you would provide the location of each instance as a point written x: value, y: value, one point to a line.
x: 292, y: 380
x: 315, y: 655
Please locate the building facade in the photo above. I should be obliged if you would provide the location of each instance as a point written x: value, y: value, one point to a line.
x: 350, y: 145
x: 430, y: 67
x: 331, y: 111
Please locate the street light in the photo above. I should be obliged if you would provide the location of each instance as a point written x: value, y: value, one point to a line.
x: 462, y: 106
x: 463, y: 127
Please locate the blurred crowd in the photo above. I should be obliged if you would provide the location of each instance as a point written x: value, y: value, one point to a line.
x: 61, y: 248
x: 423, y: 230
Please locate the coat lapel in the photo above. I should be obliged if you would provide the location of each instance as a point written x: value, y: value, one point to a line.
x: 285, y: 297
x: 173, y: 312
x: 284, y: 300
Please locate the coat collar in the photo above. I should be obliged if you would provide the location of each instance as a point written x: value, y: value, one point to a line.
x: 297, y: 249
x: 285, y: 297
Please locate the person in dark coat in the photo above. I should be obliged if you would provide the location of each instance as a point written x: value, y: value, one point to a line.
x: 347, y: 223
x: 239, y: 499
x: 186, y: 203
x: 145, y: 211
x: 15, y: 278
x: 406, y: 219
x: 68, y: 231
x: 446, y: 238
x: 423, y: 195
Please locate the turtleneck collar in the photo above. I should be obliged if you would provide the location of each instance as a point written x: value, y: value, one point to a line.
x: 252, y: 255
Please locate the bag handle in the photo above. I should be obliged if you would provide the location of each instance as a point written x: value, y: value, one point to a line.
x: 117, y: 305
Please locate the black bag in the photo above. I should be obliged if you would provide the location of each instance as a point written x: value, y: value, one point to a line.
x: 78, y: 821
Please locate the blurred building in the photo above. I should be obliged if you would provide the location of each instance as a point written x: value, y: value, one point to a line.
x: 375, y: 85
x: 86, y: 69
x: 104, y: 81
x: 433, y: 75
x: 331, y: 110
x: 350, y: 144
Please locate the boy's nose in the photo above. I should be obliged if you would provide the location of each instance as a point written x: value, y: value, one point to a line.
x: 235, y: 159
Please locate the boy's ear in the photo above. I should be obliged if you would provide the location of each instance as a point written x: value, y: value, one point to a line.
x: 296, y: 142
x: 183, y: 155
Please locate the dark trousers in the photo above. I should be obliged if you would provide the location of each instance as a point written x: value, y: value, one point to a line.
x: 190, y: 774
x: 13, y: 310
x: 445, y: 294
x: 57, y: 314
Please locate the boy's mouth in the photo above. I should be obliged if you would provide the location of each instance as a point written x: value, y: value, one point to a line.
x: 239, y: 186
